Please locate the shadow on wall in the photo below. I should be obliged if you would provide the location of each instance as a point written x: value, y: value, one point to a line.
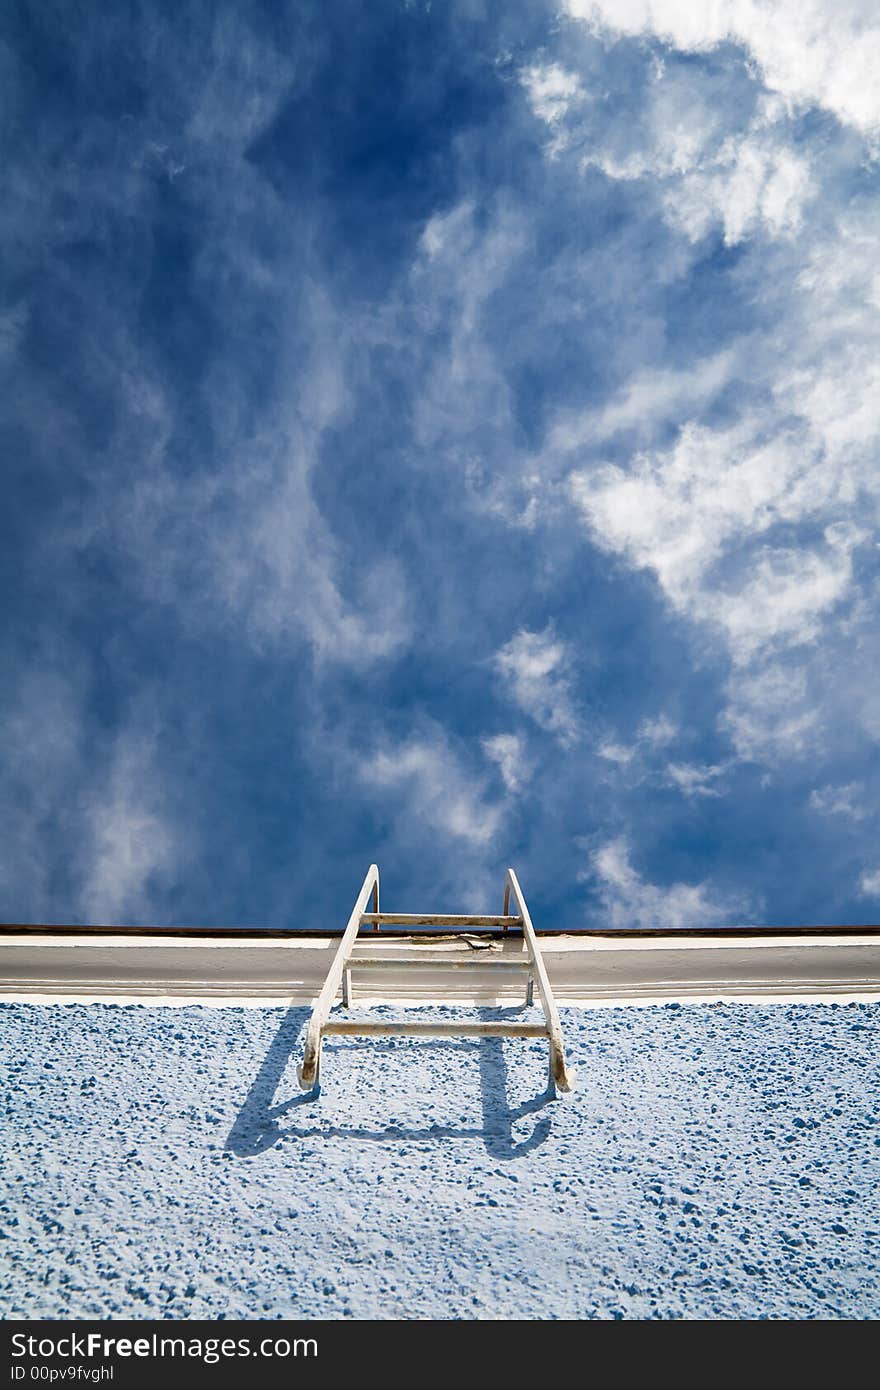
x: 256, y: 1126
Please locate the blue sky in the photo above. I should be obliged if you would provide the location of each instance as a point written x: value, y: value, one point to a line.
x: 444, y: 435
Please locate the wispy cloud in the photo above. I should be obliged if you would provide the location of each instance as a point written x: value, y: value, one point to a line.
x: 649, y: 400
x: 510, y: 753
x: 134, y: 839
x: 535, y: 666
x: 821, y: 53
x: 839, y: 801
x: 694, y: 780
x: 630, y: 901
x: 678, y: 513
x: 869, y: 884
x: 551, y: 90
x: 440, y: 792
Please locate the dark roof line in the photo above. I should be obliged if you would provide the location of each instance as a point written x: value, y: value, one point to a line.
x: 277, y: 933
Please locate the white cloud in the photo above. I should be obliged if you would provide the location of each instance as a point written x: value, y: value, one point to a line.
x: 282, y: 579
x: 752, y: 183
x: 649, y: 400
x: 441, y: 793
x: 630, y: 901
x: 657, y: 732
x: 751, y: 527
x: 750, y: 523
x: 751, y: 517
x: 674, y: 511
x: 243, y: 542
x: 93, y: 820
x: 462, y: 262
x: 651, y: 735
x: 783, y: 601
x: 696, y: 780
x: 748, y: 183
x: 667, y: 512
x: 677, y: 512
x: 135, y: 844
x: 536, y: 665
x: 448, y: 231
x: 13, y: 322
x: 509, y: 752
x: 714, y: 161
x: 839, y: 801
x: 811, y: 52
x: 551, y: 90
x: 616, y: 752
x: 869, y: 885
x: 770, y: 709
x: 643, y: 760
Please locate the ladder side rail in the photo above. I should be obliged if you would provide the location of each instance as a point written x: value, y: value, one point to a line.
x: 308, y: 1073
x: 560, y: 1075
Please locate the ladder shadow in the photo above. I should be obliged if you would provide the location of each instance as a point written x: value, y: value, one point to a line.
x: 256, y: 1127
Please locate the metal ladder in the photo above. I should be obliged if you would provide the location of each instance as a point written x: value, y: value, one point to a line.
x: 321, y: 1025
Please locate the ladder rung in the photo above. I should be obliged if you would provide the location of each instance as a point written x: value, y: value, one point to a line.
x: 436, y: 919
x: 476, y: 962
x: 351, y: 1028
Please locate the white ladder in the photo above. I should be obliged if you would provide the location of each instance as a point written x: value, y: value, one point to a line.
x: 532, y: 965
